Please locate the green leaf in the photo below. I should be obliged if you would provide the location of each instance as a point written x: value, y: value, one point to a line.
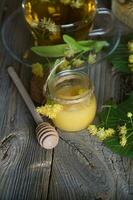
x: 114, y: 145
x: 85, y: 45
x: 99, y: 45
x: 93, y: 45
x: 56, y: 51
x: 72, y: 43
x: 119, y: 57
x: 111, y: 117
x: 50, y: 51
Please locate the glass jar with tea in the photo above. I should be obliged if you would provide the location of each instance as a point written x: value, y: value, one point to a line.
x: 48, y: 20
x: 74, y: 91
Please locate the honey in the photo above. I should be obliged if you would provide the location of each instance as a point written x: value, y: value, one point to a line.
x: 78, y: 100
x: 48, y: 20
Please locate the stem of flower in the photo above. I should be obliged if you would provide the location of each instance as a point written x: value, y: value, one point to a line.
x: 131, y: 121
x: 107, y: 116
x: 129, y: 135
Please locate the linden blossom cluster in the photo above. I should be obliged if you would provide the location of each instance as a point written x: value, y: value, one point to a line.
x: 37, y: 70
x: 130, y: 58
x: 44, y: 24
x: 50, y: 110
x: 103, y: 133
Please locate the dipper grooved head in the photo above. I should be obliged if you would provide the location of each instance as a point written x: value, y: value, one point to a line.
x: 47, y: 136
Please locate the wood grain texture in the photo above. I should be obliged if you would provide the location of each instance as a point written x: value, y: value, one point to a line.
x: 78, y: 173
x: 26, y: 169
x: 24, y: 166
x: 78, y: 153
x: 80, y: 168
x: 2, y: 10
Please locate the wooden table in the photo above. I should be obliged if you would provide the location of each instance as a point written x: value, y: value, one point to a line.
x: 79, y: 168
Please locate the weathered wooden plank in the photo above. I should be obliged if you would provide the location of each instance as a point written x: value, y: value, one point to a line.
x: 24, y: 166
x: 82, y: 168
x: 69, y: 170
x: 7, y: 7
x: 2, y: 9
x: 78, y: 173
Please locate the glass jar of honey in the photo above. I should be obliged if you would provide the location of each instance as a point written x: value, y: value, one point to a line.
x: 48, y: 20
x: 74, y: 91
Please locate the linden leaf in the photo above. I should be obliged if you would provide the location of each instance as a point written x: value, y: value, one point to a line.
x: 72, y: 43
x: 111, y: 117
x: 50, y: 51
x: 119, y: 57
x: 55, y: 51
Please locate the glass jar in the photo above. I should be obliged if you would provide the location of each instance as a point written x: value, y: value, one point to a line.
x: 75, y: 92
x: 48, y: 20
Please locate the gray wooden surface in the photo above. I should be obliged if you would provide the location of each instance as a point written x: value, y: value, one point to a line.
x: 79, y: 168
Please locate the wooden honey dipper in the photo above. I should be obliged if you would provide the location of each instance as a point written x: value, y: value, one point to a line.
x: 47, y: 136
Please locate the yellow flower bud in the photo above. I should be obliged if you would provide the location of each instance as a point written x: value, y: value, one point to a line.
x: 37, y: 69
x: 130, y: 58
x: 49, y: 110
x: 129, y: 114
x: 130, y: 45
x: 123, y: 141
x: 109, y: 132
x: 122, y: 130
x: 92, y: 129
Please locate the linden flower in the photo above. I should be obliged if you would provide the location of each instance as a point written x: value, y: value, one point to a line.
x: 131, y: 66
x: 92, y: 58
x: 37, y: 69
x: 77, y: 3
x: 130, y: 45
x: 105, y: 133
x: 92, y: 129
x: 77, y: 62
x: 69, y: 53
x: 109, y: 132
x: 129, y: 114
x: 130, y: 59
x: 49, y: 110
x: 123, y: 130
x: 122, y: 135
x: 123, y: 141
x: 64, y: 65
x: 49, y: 25
x: 101, y: 133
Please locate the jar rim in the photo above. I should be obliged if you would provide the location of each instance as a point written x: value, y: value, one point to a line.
x: 67, y: 77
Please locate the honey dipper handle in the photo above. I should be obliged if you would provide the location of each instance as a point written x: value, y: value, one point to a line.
x: 38, y: 119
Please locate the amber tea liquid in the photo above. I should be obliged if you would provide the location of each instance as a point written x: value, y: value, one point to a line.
x: 50, y: 19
